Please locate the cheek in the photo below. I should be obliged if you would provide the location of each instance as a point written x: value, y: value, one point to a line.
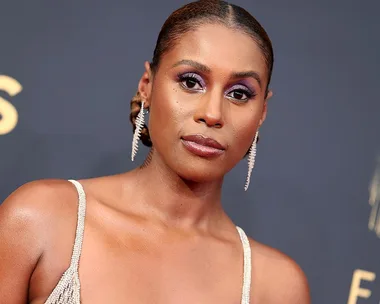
x: 244, y: 127
x: 165, y: 116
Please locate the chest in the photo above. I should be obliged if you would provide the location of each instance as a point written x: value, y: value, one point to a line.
x: 139, y: 270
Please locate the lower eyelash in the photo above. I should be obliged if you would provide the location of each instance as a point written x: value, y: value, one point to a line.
x: 243, y: 89
x: 192, y: 76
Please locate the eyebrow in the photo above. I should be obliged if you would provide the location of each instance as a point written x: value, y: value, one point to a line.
x: 205, y: 69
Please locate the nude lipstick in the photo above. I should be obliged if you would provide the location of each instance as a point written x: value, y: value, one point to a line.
x: 202, y: 146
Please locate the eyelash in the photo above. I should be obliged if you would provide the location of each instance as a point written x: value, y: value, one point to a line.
x: 195, y: 77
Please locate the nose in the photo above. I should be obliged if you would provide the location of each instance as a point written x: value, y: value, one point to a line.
x: 210, y: 110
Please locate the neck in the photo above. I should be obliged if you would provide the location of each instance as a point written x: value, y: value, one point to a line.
x: 174, y: 200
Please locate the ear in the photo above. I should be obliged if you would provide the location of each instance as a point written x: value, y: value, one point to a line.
x: 265, y: 108
x: 145, y: 84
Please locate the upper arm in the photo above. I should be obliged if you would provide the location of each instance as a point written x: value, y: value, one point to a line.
x: 22, y: 236
x: 295, y: 289
x: 288, y: 282
x: 281, y: 279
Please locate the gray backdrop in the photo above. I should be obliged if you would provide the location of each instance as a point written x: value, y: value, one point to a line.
x: 69, y: 69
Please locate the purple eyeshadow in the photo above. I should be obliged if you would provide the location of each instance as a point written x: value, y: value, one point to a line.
x: 244, y: 89
x: 192, y: 76
x: 245, y: 85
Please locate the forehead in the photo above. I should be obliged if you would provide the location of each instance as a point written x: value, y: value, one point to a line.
x: 221, y: 48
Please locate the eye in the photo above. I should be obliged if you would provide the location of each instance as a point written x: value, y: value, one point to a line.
x: 241, y: 93
x: 191, y: 81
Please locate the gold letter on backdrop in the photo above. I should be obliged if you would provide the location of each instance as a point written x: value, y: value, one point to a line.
x: 8, y: 113
x: 356, y: 291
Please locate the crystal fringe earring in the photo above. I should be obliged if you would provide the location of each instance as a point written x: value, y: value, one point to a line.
x: 136, y: 135
x: 251, y: 160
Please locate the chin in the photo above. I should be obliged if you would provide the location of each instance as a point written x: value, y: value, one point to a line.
x: 194, y: 168
x: 200, y: 173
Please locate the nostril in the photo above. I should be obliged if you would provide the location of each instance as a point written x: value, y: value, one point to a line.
x: 210, y: 123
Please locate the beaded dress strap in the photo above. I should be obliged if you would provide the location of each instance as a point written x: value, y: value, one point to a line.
x: 247, y: 267
x: 80, y: 224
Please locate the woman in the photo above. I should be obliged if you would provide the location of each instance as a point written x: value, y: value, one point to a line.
x: 158, y: 234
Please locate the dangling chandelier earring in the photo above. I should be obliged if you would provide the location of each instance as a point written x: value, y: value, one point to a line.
x: 251, y: 160
x: 136, y: 135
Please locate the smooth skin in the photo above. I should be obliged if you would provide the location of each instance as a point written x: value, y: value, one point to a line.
x: 158, y: 234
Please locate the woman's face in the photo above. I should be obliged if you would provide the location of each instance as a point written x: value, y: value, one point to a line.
x: 207, y: 100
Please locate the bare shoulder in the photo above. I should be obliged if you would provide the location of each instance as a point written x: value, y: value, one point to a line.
x: 281, y: 279
x: 30, y: 218
x: 36, y: 200
x: 36, y: 205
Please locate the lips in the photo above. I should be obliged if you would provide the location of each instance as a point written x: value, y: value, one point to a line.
x: 202, y: 146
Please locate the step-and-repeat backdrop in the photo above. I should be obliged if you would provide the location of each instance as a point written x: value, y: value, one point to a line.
x: 69, y: 68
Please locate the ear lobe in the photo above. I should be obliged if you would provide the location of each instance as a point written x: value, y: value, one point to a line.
x: 265, y: 107
x: 269, y: 95
x: 264, y: 113
x: 145, y: 84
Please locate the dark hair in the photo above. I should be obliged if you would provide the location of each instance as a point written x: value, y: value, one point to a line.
x: 189, y: 18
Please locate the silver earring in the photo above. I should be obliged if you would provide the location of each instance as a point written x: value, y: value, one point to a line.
x: 251, y: 160
x: 137, y: 134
